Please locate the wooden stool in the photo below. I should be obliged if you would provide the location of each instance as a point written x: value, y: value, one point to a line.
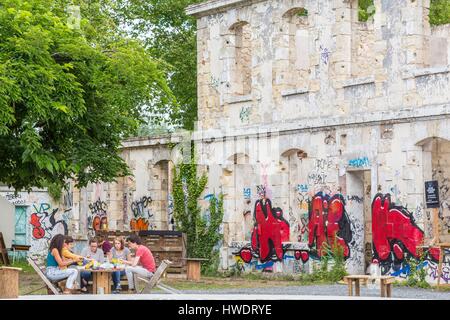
x: 356, y: 279
x: 193, y: 268
x: 385, y: 284
x: 9, y: 282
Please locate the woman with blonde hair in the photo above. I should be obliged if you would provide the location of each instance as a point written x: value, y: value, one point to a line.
x: 118, y: 251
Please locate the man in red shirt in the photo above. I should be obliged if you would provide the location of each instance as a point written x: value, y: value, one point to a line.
x: 143, y: 263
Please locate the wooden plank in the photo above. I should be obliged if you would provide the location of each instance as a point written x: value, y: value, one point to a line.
x: 9, y: 283
x: 389, y: 290
x: 357, y: 276
x: 42, y: 275
x: 193, y: 270
x: 350, y: 287
x: 4, y: 259
x: 357, y: 288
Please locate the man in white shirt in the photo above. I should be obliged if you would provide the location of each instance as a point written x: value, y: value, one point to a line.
x: 90, y: 252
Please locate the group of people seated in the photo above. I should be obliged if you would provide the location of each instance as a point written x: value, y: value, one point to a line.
x: 62, y: 262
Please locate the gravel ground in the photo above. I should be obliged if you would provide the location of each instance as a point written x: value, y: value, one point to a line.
x: 334, y: 290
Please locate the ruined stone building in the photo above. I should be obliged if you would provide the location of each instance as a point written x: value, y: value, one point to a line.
x: 320, y: 131
x: 336, y: 122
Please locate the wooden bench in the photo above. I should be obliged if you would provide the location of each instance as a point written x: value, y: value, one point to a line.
x: 385, y: 284
x: 19, y: 247
x: 52, y: 286
x: 155, y: 280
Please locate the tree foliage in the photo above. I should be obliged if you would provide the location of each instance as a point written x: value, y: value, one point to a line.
x: 68, y: 96
x: 171, y: 35
x: 366, y: 10
x: 439, y: 12
x: 202, y: 232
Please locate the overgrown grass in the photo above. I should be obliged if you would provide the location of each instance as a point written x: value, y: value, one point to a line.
x: 24, y: 265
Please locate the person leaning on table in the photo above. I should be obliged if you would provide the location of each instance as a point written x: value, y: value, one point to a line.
x: 119, y: 251
x: 67, y: 250
x: 143, y: 257
x: 92, y: 252
x: 57, y: 267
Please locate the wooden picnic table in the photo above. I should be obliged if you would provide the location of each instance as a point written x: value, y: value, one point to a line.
x: 101, y: 279
x: 385, y: 282
x: 193, y: 268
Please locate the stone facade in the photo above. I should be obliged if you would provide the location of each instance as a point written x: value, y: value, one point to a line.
x: 320, y: 131
x: 340, y: 113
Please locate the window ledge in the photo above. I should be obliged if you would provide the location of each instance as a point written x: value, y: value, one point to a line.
x: 358, y: 81
x: 295, y: 91
x: 420, y: 72
x: 232, y: 99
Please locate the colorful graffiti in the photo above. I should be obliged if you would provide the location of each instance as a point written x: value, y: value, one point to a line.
x: 247, y: 259
x: 45, y: 225
x: 270, y: 230
x: 395, y: 235
x: 247, y: 193
x: 98, y: 217
x: 328, y: 224
x: 141, y: 214
x: 359, y: 162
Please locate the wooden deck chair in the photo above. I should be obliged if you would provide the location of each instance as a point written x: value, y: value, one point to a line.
x: 40, y: 270
x: 154, y: 281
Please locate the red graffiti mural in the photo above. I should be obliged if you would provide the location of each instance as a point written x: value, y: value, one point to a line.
x: 395, y: 234
x: 44, y: 223
x: 328, y: 224
x: 270, y: 230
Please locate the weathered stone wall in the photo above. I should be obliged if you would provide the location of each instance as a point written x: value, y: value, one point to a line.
x: 351, y: 110
x: 38, y: 218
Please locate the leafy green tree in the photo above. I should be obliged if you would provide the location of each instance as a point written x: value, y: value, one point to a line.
x: 201, y: 231
x: 69, y: 95
x: 171, y: 35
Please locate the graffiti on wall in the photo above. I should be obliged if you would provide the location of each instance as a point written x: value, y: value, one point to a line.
x: 396, y: 236
x: 15, y: 199
x: 324, y: 54
x: 270, y: 230
x: 97, y: 218
x: 141, y: 214
x: 244, y: 114
x: 328, y: 224
x: 359, y: 162
x: 294, y: 259
x: 319, y: 173
x: 44, y: 223
x: 247, y: 193
x: 303, y: 198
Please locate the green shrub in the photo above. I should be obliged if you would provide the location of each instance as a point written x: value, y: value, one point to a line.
x: 418, y: 273
x: 366, y: 9
x: 439, y: 12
